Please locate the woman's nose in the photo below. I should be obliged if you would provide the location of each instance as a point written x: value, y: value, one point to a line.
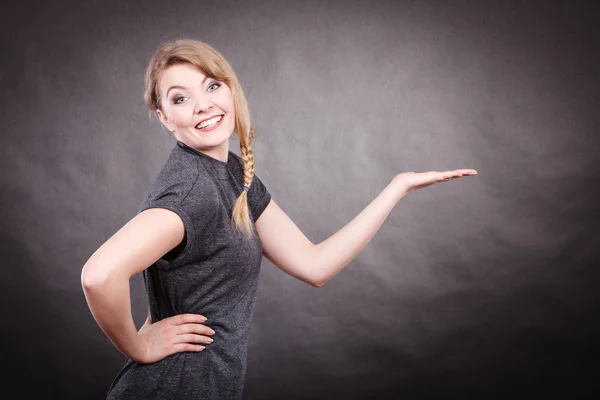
x: 204, y: 106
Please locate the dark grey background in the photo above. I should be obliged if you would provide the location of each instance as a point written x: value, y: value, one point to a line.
x: 477, y: 288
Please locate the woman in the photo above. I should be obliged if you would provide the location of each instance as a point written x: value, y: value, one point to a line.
x: 198, y: 239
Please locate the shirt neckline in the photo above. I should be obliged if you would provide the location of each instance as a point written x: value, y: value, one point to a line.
x: 221, y: 168
x: 201, y: 154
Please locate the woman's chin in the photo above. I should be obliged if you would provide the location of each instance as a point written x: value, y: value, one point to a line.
x: 206, y: 139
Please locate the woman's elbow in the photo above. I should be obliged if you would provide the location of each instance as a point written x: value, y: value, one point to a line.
x: 317, y: 282
x: 312, y: 281
x: 90, y: 277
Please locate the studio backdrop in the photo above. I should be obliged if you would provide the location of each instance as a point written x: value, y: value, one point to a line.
x: 478, y: 288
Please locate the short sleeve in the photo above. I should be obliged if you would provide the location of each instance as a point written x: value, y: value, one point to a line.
x: 258, y: 198
x: 173, y: 203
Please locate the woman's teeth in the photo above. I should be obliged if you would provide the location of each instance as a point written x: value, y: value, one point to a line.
x: 210, y: 122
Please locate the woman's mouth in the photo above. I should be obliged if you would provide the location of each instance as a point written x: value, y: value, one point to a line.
x: 210, y: 124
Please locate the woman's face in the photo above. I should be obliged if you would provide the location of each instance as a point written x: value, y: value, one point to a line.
x: 188, y: 97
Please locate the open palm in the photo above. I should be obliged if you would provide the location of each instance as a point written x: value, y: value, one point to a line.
x: 416, y: 180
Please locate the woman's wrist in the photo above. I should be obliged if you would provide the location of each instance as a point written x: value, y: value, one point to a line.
x: 399, y: 187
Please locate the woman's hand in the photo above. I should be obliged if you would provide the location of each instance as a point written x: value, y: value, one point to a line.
x: 416, y: 180
x: 171, y: 335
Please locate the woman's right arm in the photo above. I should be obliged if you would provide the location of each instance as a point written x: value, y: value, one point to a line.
x: 105, y: 276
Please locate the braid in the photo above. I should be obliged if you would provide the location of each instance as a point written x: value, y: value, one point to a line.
x: 241, y: 216
x: 248, y: 158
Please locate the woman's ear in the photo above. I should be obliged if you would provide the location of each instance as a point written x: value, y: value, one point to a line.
x: 165, y: 121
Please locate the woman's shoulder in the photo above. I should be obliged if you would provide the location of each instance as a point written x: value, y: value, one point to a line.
x: 237, y: 163
x: 179, y: 178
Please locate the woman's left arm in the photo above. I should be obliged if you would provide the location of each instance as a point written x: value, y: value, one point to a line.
x: 289, y: 249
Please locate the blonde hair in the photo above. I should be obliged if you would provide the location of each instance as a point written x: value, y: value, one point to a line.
x: 213, y: 65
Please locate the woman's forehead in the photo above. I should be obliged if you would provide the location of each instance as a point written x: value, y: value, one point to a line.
x: 181, y: 75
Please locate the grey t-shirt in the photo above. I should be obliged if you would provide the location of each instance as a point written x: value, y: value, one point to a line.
x: 214, y: 272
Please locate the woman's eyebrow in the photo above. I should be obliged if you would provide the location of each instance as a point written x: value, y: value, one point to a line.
x: 174, y: 87
x: 181, y: 87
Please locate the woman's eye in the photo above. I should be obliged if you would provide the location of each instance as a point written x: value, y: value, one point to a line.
x: 217, y: 84
x: 176, y: 100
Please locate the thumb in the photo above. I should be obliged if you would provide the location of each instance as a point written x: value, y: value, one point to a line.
x: 149, y: 319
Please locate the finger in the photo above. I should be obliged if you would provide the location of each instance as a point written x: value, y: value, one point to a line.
x: 188, y: 319
x: 191, y: 338
x: 443, y: 176
x: 195, y: 328
x: 466, y: 171
x: 447, y: 175
x: 181, y: 347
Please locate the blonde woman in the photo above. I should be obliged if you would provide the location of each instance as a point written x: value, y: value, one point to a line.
x: 199, y: 237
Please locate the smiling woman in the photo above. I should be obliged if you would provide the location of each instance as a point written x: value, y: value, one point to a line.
x: 186, y: 239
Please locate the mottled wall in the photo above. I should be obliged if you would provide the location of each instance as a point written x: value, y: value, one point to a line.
x: 480, y: 287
